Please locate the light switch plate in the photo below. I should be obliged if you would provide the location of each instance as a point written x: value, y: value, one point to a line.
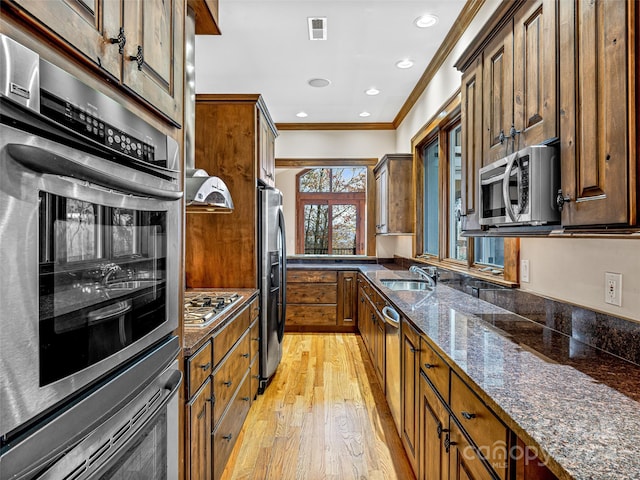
x: 524, y: 271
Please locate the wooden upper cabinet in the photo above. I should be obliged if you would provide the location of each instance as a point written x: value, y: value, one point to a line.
x: 471, y: 119
x: 498, y: 94
x: 534, y: 73
x: 598, y: 112
x: 153, y: 57
x: 105, y: 34
x: 394, y: 194
x: 266, y: 141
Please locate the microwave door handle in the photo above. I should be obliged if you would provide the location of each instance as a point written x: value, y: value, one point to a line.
x: 44, y: 161
x: 505, y: 188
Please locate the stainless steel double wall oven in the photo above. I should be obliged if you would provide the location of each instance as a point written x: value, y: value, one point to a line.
x: 90, y: 218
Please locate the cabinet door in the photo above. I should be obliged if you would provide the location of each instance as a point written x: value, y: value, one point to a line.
x: 534, y: 76
x: 347, y: 301
x: 86, y: 25
x: 380, y: 348
x: 434, y: 425
x: 464, y: 463
x: 266, y: 155
x: 471, y: 119
x: 497, y: 91
x: 382, y: 203
x: 595, y: 99
x: 153, y: 58
x: 410, y: 391
x: 198, y: 440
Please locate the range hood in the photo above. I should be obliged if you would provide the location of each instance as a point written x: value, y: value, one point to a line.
x: 203, y: 193
x: 202, y: 190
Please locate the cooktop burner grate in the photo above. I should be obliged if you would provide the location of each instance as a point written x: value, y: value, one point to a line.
x: 201, y: 308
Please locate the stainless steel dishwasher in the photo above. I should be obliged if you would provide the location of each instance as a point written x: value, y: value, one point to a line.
x: 392, y: 361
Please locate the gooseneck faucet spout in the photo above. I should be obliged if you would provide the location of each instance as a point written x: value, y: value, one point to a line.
x: 429, y: 276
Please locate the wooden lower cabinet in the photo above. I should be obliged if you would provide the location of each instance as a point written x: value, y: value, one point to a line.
x: 434, y: 426
x: 198, y: 423
x: 464, y: 462
x: 410, y: 354
x: 321, y: 300
x: 226, y: 433
x: 223, y: 373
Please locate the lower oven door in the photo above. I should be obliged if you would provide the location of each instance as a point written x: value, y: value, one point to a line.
x: 126, y: 428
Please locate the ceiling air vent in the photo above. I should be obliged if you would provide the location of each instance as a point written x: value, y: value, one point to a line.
x: 317, y: 28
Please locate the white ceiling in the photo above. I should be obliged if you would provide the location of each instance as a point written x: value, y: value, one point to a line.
x: 265, y: 48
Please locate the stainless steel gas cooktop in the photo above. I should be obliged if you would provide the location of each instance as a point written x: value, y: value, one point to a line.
x: 202, y: 308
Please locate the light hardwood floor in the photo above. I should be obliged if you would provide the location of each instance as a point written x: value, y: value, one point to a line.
x: 324, y: 416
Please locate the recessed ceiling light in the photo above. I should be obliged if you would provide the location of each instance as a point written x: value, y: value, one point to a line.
x: 302, y: 115
x: 319, y: 82
x: 425, y: 21
x: 372, y: 91
x: 406, y: 63
x: 365, y: 114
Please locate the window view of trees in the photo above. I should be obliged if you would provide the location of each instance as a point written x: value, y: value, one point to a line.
x: 330, y: 211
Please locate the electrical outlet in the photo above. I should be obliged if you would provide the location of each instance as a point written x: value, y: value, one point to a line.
x: 524, y: 271
x: 613, y: 288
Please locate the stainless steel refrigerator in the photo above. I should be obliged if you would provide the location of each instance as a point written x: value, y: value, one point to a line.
x: 273, y: 264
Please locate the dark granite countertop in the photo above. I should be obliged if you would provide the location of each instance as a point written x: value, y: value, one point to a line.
x: 576, y: 404
x: 194, y: 337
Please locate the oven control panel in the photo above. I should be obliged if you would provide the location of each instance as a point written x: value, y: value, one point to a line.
x: 91, y: 126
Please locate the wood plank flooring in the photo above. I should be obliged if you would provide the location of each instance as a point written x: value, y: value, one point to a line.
x: 324, y: 416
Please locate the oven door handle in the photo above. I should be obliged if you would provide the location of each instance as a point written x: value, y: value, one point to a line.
x: 41, y: 160
x: 107, y: 313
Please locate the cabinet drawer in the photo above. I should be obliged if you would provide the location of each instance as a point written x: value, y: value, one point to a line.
x: 312, y: 276
x: 225, y: 339
x: 311, y: 314
x: 225, y: 436
x: 484, y: 428
x: 255, y: 378
x: 436, y: 370
x: 312, y: 293
x: 254, y: 309
x: 199, y: 367
x: 254, y: 339
x: 229, y: 375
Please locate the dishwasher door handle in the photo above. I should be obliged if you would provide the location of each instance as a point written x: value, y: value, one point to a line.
x: 391, y: 316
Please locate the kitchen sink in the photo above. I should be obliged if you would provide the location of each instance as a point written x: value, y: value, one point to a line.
x: 403, y: 284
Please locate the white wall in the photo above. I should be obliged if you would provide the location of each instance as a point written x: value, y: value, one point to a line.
x: 334, y: 143
x: 286, y: 183
x: 572, y: 269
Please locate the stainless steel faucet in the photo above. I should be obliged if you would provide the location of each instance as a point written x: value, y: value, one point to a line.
x: 428, y: 273
x: 108, y: 270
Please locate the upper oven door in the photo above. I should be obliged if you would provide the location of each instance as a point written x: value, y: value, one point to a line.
x: 90, y: 261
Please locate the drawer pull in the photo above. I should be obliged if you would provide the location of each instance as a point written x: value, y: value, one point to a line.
x: 228, y: 437
x: 211, y: 399
x: 429, y: 365
x: 257, y: 377
x: 468, y: 416
x: 228, y: 383
x: 448, y: 443
x: 414, y: 350
x: 206, y: 366
x: 245, y: 355
x: 246, y: 399
x: 440, y: 430
x: 256, y: 339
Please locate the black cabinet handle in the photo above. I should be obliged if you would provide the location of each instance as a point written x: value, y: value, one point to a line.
x: 246, y: 399
x: 440, y: 430
x: 414, y: 349
x: 448, y: 443
x: 121, y: 40
x: 468, y: 416
x: 138, y: 57
x: 228, y: 383
x: 429, y: 365
x: 245, y: 355
x: 228, y: 437
x: 206, y: 366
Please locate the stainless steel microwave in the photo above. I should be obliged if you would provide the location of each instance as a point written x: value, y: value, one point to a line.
x: 521, y: 188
